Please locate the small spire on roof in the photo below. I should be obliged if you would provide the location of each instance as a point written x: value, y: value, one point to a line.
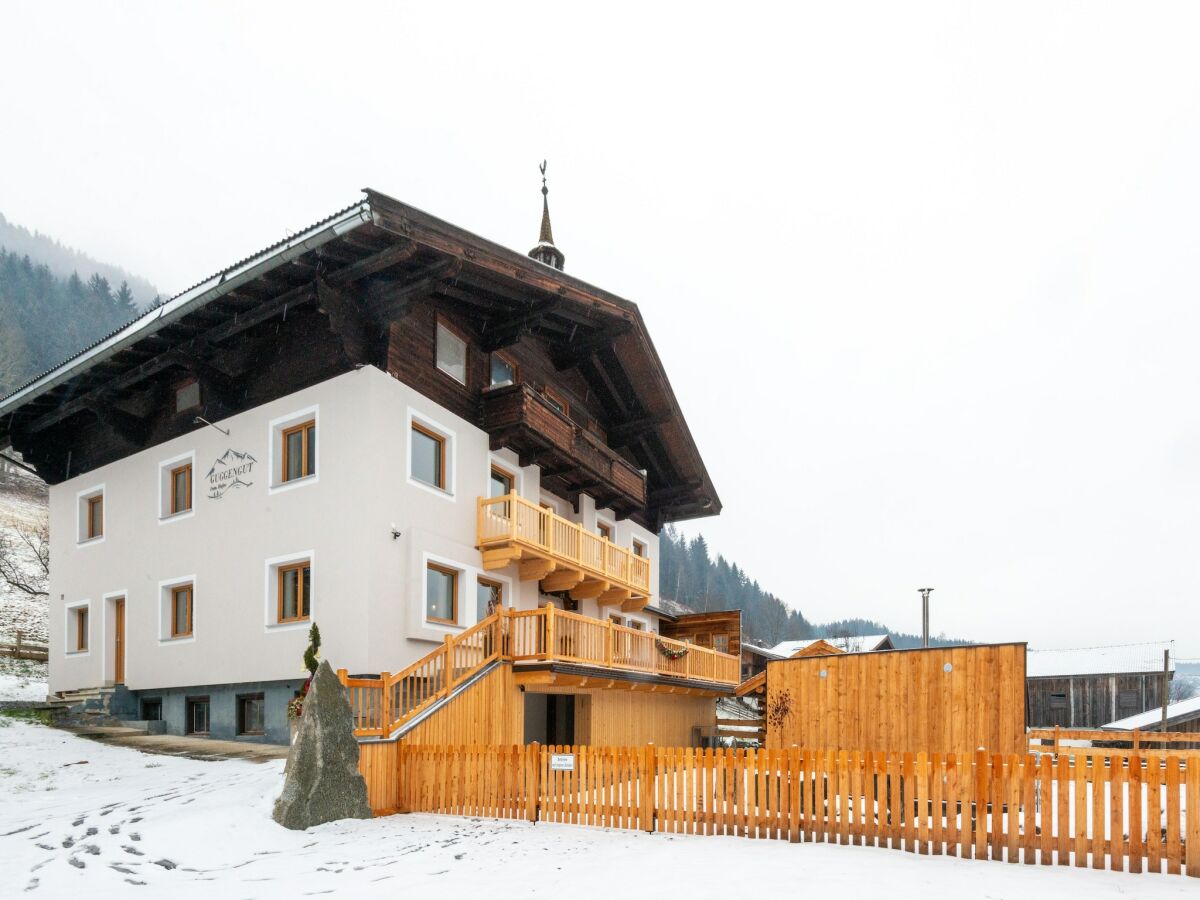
x: 545, y: 251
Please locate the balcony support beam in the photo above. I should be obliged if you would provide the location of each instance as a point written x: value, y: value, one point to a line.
x: 535, y: 568
x: 562, y: 580
x: 498, y: 559
x: 589, y: 590
x: 614, y: 596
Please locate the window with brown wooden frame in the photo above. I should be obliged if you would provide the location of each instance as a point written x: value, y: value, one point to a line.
x: 441, y: 594
x: 503, y: 371
x: 450, y: 352
x: 81, y: 629
x: 428, y: 456
x: 500, y: 483
x: 615, y: 619
x: 299, y: 449
x: 639, y: 549
x: 636, y: 625
x: 181, y: 611
x: 181, y: 488
x: 95, y: 517
x: 604, y: 530
x: 489, y: 597
x: 557, y: 400
x: 294, y: 592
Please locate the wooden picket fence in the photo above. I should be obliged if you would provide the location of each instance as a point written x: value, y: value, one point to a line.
x: 1099, y: 811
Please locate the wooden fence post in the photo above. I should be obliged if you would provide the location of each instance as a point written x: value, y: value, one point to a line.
x: 448, y: 665
x: 533, y: 780
x: 342, y: 675
x: 647, y: 770
x: 385, y: 705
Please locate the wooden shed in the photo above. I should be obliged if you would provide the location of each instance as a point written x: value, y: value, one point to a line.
x: 940, y: 700
x: 1089, y: 687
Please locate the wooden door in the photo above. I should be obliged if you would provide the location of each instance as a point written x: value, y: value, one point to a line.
x: 119, y: 641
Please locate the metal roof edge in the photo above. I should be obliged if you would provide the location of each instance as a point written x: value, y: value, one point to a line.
x: 193, y: 298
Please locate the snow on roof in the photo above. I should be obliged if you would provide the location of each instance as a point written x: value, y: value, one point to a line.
x: 1116, y: 660
x: 1154, y: 716
x: 855, y: 644
x: 760, y: 650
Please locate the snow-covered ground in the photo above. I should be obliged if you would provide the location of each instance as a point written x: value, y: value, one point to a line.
x: 22, y: 508
x: 83, y: 819
x: 22, y: 679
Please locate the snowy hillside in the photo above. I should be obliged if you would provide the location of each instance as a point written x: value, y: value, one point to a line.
x: 22, y: 509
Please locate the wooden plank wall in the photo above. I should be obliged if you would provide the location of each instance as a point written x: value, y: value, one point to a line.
x: 616, y: 718
x: 699, y: 628
x: 903, y: 699
x: 488, y: 712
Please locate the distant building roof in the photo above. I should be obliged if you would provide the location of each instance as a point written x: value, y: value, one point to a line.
x: 761, y: 651
x: 1122, y: 659
x: 1181, y: 712
x: 856, y: 644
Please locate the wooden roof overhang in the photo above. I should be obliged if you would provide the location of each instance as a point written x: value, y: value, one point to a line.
x: 570, y: 675
x: 359, y: 270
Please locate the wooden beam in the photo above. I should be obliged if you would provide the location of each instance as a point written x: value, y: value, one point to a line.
x: 500, y: 334
x: 572, y: 353
x: 498, y: 559
x: 347, y: 320
x: 561, y: 580
x: 535, y: 569
x: 614, y: 595
x: 624, y: 433
x: 589, y: 589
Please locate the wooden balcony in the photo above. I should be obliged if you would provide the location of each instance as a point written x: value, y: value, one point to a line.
x: 562, y: 555
x: 572, y: 458
x: 381, y: 704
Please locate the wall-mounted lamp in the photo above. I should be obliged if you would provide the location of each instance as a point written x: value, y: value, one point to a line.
x: 395, y: 532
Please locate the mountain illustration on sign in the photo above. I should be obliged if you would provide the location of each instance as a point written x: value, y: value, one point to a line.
x: 228, y: 471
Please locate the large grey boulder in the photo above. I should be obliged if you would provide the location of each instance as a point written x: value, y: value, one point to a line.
x: 323, y: 783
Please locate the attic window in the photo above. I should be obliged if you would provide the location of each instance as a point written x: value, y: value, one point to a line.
x: 187, y: 395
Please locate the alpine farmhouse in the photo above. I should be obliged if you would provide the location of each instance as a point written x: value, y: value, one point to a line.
x: 454, y: 458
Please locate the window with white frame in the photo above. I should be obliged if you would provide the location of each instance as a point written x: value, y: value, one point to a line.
x: 91, y: 515
x: 78, y: 631
x: 177, y: 609
x: 451, y: 353
x: 290, y: 590
x: 294, y: 449
x: 175, y: 486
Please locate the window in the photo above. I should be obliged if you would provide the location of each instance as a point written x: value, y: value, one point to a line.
x: 501, y: 483
x: 489, y: 597
x: 441, y: 594
x: 94, y: 525
x: 1058, y: 701
x: 504, y: 371
x: 428, y: 456
x: 703, y: 639
x: 197, y: 715
x: 604, y: 530
x: 187, y: 395
x: 181, y: 611
x: 639, y: 549
x: 299, y: 451
x: 152, y: 709
x: 250, y: 714
x: 615, y: 619
x: 295, y: 592
x: 181, y: 489
x: 81, y: 629
x: 636, y: 625
x: 451, y: 354
x: 557, y: 400
x: 721, y: 643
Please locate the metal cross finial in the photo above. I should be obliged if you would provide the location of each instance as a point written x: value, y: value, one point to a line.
x: 542, y: 168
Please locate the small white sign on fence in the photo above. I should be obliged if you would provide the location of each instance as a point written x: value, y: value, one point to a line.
x: 562, y: 762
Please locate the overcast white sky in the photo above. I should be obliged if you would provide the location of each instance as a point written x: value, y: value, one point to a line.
x: 925, y: 277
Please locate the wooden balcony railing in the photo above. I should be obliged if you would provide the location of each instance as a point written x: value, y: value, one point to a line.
x: 511, y: 528
x: 381, y: 705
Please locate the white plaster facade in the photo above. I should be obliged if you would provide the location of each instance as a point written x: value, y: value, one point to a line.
x: 368, y: 586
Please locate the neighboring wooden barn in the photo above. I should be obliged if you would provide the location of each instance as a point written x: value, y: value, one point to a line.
x: 720, y: 630
x: 1182, y: 716
x: 1090, y: 687
x: 940, y: 700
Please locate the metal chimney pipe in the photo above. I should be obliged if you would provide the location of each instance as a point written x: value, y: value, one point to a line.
x: 925, y: 592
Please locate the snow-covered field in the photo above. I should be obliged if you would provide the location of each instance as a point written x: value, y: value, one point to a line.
x: 21, y: 679
x: 83, y: 819
x: 22, y: 507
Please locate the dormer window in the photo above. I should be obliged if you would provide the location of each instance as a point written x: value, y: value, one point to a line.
x: 451, y: 353
x: 504, y: 371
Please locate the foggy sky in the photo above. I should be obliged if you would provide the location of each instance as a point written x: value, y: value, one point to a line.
x: 924, y: 277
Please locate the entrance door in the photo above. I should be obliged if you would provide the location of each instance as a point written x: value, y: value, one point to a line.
x: 550, y: 719
x: 119, y: 641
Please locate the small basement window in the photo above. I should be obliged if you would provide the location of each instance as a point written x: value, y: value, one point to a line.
x: 152, y: 709
x: 197, y: 715
x: 250, y: 709
x: 451, y: 354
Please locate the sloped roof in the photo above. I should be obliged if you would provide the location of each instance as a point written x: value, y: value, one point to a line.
x: 854, y: 644
x: 1182, y: 709
x: 761, y: 651
x: 1120, y: 659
